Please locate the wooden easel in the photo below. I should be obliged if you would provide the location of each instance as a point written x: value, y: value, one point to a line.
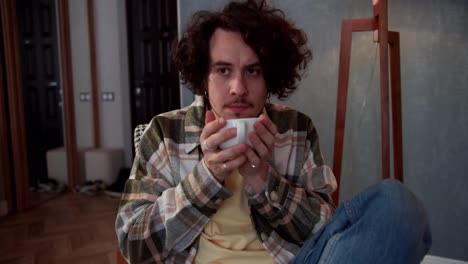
x: 388, y: 41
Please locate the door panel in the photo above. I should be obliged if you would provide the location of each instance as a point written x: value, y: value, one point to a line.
x: 5, y: 137
x: 39, y: 60
x: 154, y: 80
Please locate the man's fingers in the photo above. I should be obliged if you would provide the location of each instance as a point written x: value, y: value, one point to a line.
x: 209, y: 116
x: 235, y: 163
x: 268, y: 124
x: 259, y: 146
x: 212, y: 127
x: 223, y: 162
x: 214, y: 140
x: 252, y: 157
x: 264, y: 134
x: 231, y: 153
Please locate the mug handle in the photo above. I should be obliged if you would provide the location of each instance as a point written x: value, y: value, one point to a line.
x: 241, y: 128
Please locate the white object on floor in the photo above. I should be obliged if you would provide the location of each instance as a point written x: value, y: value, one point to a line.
x: 103, y: 164
x: 57, y: 164
x: 438, y: 260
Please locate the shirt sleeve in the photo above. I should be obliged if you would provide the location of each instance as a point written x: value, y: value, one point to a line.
x: 159, y: 218
x: 296, y: 206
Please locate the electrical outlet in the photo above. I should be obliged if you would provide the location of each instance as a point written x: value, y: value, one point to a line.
x: 107, y: 96
x: 85, y: 97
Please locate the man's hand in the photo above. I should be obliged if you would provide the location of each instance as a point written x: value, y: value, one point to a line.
x: 221, y: 163
x: 255, y: 168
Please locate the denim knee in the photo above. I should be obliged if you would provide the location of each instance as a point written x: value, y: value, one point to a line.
x: 386, y: 223
x: 410, y: 215
x: 397, y: 197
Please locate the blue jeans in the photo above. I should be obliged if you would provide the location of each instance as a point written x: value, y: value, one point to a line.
x: 384, y: 224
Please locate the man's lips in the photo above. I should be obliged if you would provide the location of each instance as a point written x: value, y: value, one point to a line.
x: 237, y: 107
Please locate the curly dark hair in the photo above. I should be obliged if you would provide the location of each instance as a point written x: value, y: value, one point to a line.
x: 280, y: 46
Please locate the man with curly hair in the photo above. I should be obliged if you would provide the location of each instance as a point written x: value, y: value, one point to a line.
x: 189, y: 201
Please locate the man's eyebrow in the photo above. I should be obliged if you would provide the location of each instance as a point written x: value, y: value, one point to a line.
x: 225, y: 63
x: 220, y: 63
x: 255, y: 64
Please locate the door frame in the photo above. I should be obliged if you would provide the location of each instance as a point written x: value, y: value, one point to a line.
x: 5, y: 169
x: 63, y: 21
x: 16, y: 105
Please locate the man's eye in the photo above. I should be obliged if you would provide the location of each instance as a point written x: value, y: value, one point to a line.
x: 253, y: 71
x: 223, y: 71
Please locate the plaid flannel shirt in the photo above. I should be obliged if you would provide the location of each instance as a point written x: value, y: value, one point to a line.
x: 171, y: 195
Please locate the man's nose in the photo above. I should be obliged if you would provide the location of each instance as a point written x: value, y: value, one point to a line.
x: 238, y: 85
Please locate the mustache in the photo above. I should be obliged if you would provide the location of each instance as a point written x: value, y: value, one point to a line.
x: 238, y: 101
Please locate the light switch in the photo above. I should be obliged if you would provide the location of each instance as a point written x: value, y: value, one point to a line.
x: 85, y: 97
x: 107, y: 96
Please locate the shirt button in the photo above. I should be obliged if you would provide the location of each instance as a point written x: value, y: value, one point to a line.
x: 218, y: 201
x: 264, y: 237
x: 274, y: 196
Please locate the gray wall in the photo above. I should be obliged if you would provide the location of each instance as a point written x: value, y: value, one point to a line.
x: 434, y: 71
x: 79, y: 36
x: 113, y: 76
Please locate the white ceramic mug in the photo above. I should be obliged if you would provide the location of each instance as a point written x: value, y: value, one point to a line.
x: 244, y: 127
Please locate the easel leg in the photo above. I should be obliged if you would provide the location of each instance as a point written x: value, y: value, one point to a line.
x: 343, y: 78
x: 395, y: 79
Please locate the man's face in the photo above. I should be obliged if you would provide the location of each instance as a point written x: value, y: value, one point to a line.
x: 236, y: 87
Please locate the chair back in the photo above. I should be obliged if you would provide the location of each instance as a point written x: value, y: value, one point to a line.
x: 137, y: 134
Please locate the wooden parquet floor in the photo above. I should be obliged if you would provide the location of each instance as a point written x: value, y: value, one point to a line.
x: 71, y: 228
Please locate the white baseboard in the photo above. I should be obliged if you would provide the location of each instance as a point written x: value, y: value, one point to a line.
x: 438, y: 260
x: 3, y: 208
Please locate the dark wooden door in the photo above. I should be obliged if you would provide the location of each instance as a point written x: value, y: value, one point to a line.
x: 40, y: 72
x: 5, y: 142
x: 154, y: 80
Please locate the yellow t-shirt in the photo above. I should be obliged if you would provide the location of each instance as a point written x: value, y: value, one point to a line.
x: 229, y: 236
